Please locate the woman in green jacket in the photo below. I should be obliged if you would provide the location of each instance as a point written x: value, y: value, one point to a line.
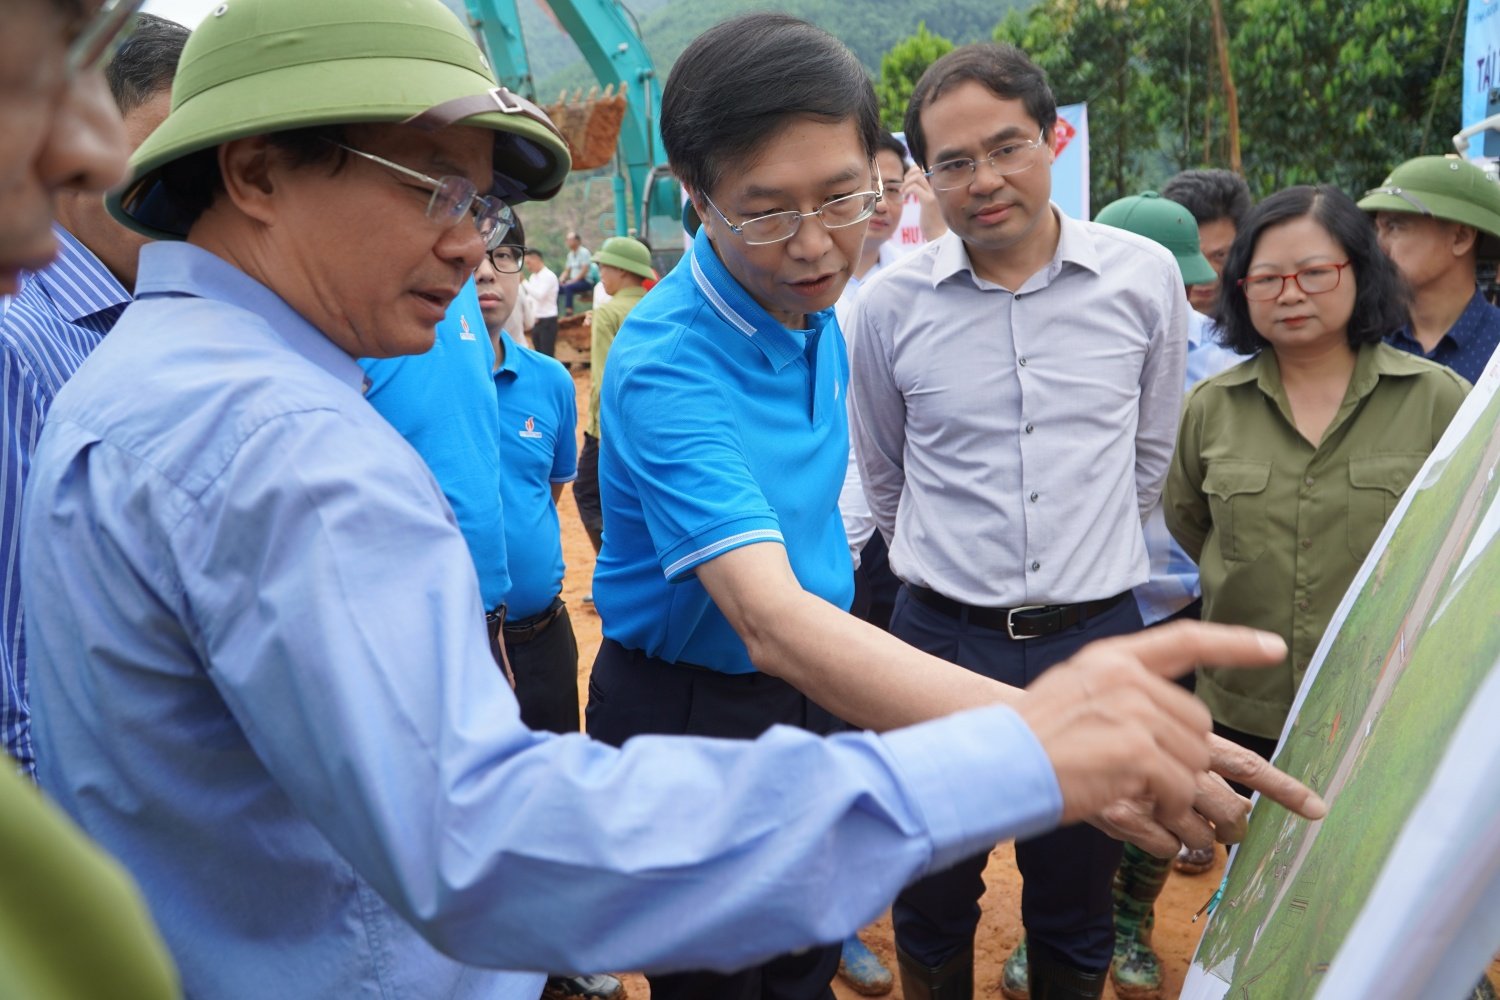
x: 1288, y: 465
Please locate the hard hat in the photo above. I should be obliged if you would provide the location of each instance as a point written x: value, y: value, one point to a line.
x: 259, y: 66
x: 1443, y: 187
x: 626, y: 254
x: 1165, y: 222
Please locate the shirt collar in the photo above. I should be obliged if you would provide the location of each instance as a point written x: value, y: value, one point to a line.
x: 171, y: 268
x: 780, y: 345
x: 1471, y: 321
x: 511, y: 350
x: 78, y: 284
x: 627, y: 293
x: 1075, y: 245
x: 1370, y: 364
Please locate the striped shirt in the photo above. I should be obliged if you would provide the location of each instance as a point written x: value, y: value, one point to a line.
x: 60, y: 315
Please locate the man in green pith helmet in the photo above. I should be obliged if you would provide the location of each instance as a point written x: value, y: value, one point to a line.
x: 1437, y: 216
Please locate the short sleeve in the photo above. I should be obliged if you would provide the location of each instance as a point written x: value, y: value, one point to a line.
x: 564, y: 454
x: 674, y: 432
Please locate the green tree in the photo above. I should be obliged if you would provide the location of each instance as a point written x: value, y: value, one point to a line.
x: 901, y: 67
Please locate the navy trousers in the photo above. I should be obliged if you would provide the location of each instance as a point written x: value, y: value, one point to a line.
x: 1067, y: 874
x: 546, y: 670
x: 631, y: 693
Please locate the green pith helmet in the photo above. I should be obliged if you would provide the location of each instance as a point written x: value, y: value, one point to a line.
x: 1165, y: 222
x: 259, y: 66
x: 1443, y: 187
x: 626, y: 254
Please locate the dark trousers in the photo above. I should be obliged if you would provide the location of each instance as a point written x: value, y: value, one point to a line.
x: 875, y: 586
x: 571, y: 288
x: 630, y: 694
x: 586, y: 489
x: 1067, y: 874
x: 546, y: 669
x: 544, y: 336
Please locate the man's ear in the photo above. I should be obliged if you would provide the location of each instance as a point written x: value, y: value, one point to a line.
x: 1465, y: 239
x: 250, y: 169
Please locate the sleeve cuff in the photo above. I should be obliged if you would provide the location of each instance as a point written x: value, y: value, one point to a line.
x: 976, y: 778
x: 717, y: 539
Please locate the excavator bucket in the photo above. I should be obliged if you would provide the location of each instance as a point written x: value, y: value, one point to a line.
x: 591, y: 124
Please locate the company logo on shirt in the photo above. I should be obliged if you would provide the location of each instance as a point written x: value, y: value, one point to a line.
x: 464, y: 333
x: 530, y: 431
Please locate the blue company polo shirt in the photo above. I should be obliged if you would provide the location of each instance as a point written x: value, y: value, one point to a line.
x: 722, y: 428
x: 1467, y: 347
x: 538, y: 420
x: 443, y: 403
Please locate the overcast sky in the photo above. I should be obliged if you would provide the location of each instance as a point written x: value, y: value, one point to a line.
x: 185, y: 12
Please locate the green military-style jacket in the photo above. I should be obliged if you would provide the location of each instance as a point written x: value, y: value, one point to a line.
x: 603, y: 327
x: 1280, y: 526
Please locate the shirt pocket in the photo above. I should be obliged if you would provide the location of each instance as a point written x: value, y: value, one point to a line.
x: 1236, y: 491
x: 1376, y: 483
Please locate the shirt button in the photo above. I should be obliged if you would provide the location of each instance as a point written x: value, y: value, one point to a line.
x: 1023, y: 361
x: 1036, y: 565
x: 1030, y: 428
x: 1307, y: 543
x: 1303, y: 605
x: 1308, y: 481
x: 1035, y: 497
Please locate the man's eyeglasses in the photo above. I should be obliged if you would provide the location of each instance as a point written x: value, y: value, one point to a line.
x: 507, y: 257
x: 778, y: 226
x: 1011, y: 158
x: 452, y: 198
x: 1314, y: 280
x: 102, y: 35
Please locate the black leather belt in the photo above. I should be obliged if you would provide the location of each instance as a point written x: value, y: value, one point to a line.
x: 1031, y: 621
x: 526, y: 629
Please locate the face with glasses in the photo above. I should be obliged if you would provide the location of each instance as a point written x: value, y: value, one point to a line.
x: 59, y: 128
x: 371, y: 251
x: 498, y: 280
x: 1299, y: 287
x: 991, y: 167
x: 788, y: 224
x: 887, y: 214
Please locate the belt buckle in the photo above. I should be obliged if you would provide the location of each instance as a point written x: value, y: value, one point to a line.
x: 1010, y: 617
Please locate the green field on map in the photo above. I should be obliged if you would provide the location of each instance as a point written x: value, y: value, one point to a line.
x: 1408, y: 656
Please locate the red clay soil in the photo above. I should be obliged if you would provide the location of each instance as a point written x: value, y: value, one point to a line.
x: 1176, y: 935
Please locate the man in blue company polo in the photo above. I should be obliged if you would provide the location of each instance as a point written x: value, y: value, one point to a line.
x: 61, y: 314
x: 1437, y: 216
x: 255, y: 626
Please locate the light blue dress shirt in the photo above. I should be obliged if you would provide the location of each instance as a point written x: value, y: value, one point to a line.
x: 60, y: 315
x: 538, y: 447
x: 263, y: 684
x: 722, y: 428
x: 1174, y: 576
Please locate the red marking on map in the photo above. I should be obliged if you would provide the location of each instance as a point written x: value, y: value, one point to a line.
x: 1336, y: 720
x: 1062, y: 134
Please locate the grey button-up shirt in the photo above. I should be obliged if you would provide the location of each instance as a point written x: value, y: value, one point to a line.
x: 1012, y: 442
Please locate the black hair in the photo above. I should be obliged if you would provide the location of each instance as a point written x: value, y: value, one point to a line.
x: 192, y: 182
x: 1210, y: 195
x: 1000, y: 68
x: 537, y: 251
x: 885, y: 142
x: 742, y: 81
x: 1381, y: 297
x: 146, y: 63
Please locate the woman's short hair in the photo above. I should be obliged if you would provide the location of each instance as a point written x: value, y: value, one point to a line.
x: 742, y: 81
x: 1381, y: 298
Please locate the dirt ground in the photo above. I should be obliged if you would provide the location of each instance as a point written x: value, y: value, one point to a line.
x: 1176, y: 934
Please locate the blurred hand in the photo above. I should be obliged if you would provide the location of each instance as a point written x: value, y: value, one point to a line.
x: 914, y: 184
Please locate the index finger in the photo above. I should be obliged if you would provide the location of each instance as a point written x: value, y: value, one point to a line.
x: 1254, y: 771
x: 1173, y: 650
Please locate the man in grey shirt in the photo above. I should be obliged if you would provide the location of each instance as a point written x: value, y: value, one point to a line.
x: 1016, y: 386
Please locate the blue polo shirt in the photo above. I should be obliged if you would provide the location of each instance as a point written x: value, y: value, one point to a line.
x: 443, y: 403
x: 722, y: 428
x: 538, y: 420
x: 1467, y: 347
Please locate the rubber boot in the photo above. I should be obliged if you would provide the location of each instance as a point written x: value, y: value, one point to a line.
x: 1135, y: 967
x: 1015, y: 981
x: 863, y: 970
x: 1054, y: 979
x: 953, y: 980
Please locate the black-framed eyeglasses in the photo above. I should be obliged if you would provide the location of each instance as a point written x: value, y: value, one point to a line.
x: 452, y: 197
x: 1011, y: 158
x: 507, y: 257
x: 102, y: 35
x: 1315, y: 279
x: 836, y: 213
